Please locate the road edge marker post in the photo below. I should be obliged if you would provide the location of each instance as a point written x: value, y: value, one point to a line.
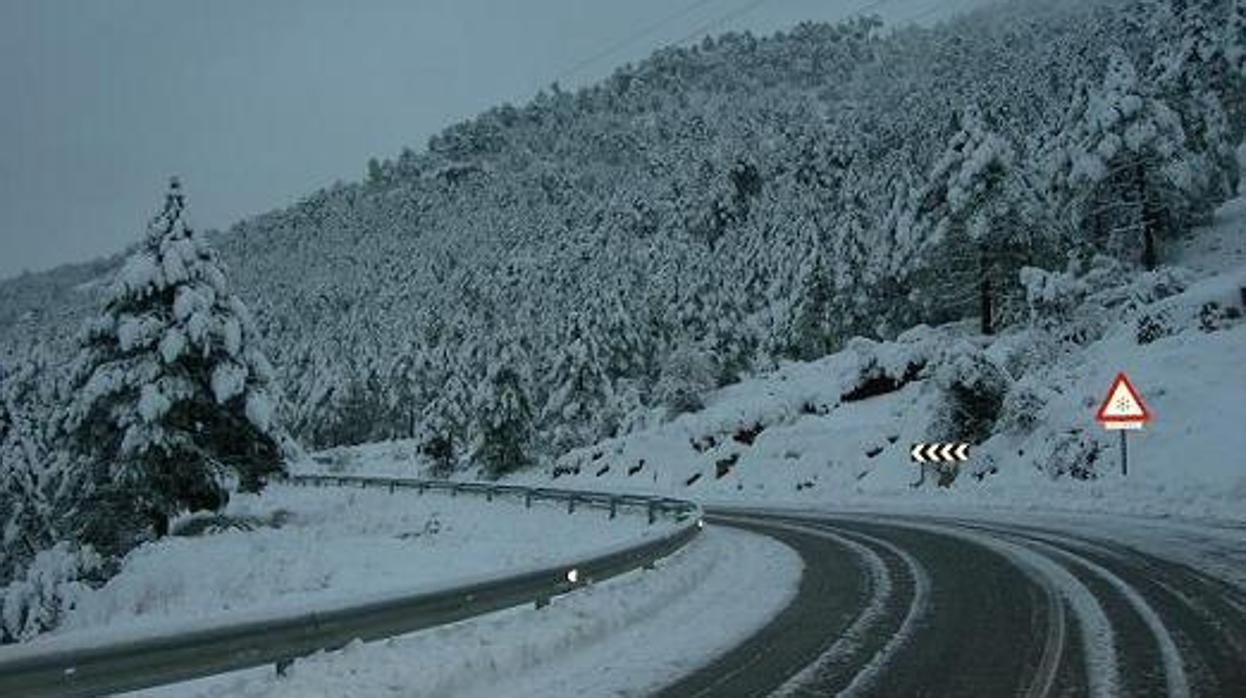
x: 1123, y: 410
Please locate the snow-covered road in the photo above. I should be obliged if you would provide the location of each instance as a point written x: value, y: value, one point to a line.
x: 917, y: 604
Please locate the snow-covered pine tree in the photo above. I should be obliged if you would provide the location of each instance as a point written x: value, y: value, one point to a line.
x: 579, y: 410
x: 504, y: 418
x: 968, y: 205
x: 26, y: 514
x: 173, y: 394
x: 1127, y: 165
x: 1235, y: 38
x: 811, y: 333
x: 1192, y: 72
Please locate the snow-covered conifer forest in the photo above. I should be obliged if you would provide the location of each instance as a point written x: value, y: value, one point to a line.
x: 548, y: 275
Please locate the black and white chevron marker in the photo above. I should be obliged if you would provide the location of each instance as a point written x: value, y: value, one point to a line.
x: 940, y: 452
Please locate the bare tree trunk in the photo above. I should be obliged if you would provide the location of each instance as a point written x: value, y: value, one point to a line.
x: 984, y: 293
x: 1151, y: 217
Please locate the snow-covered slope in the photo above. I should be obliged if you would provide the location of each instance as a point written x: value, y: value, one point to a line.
x: 800, y: 434
x: 815, y: 447
x: 805, y: 432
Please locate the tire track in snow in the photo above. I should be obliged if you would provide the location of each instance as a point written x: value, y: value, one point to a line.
x: 919, y: 605
x: 1176, y: 681
x: 1102, y: 663
x: 837, y: 658
x: 1195, y: 617
x: 835, y: 592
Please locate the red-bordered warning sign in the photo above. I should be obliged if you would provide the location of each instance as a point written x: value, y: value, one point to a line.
x: 1123, y: 407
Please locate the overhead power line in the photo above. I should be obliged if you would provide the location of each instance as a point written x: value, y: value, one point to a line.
x: 712, y: 25
x: 619, y: 45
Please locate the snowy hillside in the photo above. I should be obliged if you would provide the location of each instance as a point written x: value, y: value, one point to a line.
x: 745, y: 200
x: 798, y: 435
x: 838, y: 430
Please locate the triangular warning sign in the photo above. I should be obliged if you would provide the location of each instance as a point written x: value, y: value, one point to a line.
x: 1123, y: 403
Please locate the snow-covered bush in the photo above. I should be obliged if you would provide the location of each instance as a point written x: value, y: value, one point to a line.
x: 1022, y: 407
x: 1133, y: 290
x: 688, y: 373
x: 50, y: 587
x: 884, y: 367
x: 974, y: 389
x: 1152, y: 326
x: 1074, y: 453
x: 1212, y: 317
x: 1052, y: 296
x: 1021, y: 352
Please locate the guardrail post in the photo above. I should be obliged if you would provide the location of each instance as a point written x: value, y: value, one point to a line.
x: 454, y: 491
x: 571, y: 504
x: 653, y: 511
x: 489, y: 494
x: 614, y: 507
x: 391, y: 486
x: 527, y: 499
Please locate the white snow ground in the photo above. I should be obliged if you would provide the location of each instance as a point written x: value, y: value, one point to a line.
x: 335, y: 546
x: 626, y: 636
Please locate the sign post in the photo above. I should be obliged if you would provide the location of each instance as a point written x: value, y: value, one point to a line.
x: 1124, y: 454
x: 1123, y: 410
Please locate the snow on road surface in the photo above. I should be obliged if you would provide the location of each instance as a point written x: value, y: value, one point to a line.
x: 629, y: 635
x: 324, y: 547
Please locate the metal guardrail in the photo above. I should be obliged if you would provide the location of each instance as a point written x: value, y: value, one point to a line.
x: 161, y: 659
x: 654, y: 506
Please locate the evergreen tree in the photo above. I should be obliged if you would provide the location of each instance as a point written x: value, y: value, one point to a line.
x: 27, y: 518
x: 811, y: 333
x: 971, y: 202
x: 505, y: 424
x: 1192, y: 72
x: 578, y: 409
x: 173, y: 395
x: 1127, y: 163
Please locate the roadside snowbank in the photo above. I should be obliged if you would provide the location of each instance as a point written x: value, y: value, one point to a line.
x: 317, y: 548
x: 626, y: 636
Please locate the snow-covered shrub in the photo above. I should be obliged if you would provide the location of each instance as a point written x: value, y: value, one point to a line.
x: 1151, y: 327
x: 1022, y: 407
x: 1074, y: 453
x: 51, y: 586
x: 1134, y: 290
x: 1052, y: 296
x: 1213, y: 317
x: 884, y: 367
x: 688, y: 373
x: 974, y: 389
x: 1021, y: 352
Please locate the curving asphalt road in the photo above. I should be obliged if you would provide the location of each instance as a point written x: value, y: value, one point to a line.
x: 924, y: 606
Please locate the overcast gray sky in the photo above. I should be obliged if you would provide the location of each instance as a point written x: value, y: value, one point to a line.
x: 257, y: 103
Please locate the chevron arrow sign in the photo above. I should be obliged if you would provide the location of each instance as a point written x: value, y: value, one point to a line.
x: 940, y: 452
